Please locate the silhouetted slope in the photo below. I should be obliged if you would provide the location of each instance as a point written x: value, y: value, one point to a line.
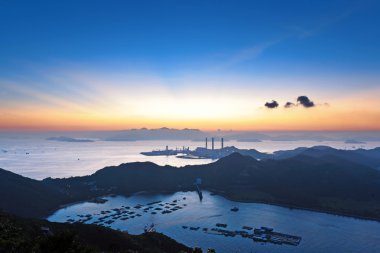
x: 25, y: 235
x: 26, y: 197
x: 314, y: 183
x: 366, y: 157
x: 326, y: 183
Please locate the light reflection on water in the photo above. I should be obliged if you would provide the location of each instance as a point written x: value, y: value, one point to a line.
x: 320, y: 232
x: 66, y: 159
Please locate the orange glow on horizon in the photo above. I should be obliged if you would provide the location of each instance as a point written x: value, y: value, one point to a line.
x: 149, y: 103
x: 265, y: 120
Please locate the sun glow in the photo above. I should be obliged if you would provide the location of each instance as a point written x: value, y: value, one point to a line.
x: 88, y: 101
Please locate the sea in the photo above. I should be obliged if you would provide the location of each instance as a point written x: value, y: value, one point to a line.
x: 38, y: 158
x: 320, y: 232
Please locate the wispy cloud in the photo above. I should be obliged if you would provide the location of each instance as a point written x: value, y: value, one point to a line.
x: 303, y: 31
x: 296, y: 31
x: 250, y: 53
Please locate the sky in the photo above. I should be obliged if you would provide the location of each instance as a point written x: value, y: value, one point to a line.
x: 109, y: 65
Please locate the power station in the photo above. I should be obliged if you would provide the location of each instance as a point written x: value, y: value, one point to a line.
x: 213, y: 143
x: 199, y: 152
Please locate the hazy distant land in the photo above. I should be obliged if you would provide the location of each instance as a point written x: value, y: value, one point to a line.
x: 164, y: 133
x: 243, y: 136
x: 68, y: 139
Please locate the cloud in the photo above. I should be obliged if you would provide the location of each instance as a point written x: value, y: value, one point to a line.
x: 305, y: 101
x: 271, y: 105
x: 253, y: 52
x: 289, y: 105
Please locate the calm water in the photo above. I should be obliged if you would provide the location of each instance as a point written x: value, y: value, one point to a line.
x: 66, y: 159
x: 320, y: 232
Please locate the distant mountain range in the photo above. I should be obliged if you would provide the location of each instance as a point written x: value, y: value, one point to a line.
x: 157, y: 134
x: 67, y: 139
x: 367, y: 157
x: 164, y: 133
x: 318, y: 178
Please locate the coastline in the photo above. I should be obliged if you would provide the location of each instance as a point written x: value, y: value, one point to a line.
x: 289, y: 206
x: 218, y: 193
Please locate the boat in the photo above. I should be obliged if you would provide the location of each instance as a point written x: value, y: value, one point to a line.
x: 149, y: 229
x: 235, y: 209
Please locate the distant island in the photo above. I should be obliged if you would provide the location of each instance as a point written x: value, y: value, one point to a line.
x: 68, y: 139
x: 163, y: 133
x: 354, y: 142
x: 249, y: 140
x: 193, y: 134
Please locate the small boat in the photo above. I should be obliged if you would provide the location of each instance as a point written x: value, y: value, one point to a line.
x: 235, y: 209
x: 149, y: 229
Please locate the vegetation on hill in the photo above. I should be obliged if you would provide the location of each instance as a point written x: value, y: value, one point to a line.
x: 38, y: 236
x: 326, y: 183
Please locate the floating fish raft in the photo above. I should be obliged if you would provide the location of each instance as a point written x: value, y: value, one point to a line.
x: 107, y: 217
x: 263, y: 234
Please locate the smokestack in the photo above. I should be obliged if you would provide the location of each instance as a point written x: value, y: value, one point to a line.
x: 206, y: 142
x: 222, y: 143
x: 212, y: 143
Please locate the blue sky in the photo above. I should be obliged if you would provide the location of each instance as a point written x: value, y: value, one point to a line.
x: 176, y: 36
x: 313, y: 47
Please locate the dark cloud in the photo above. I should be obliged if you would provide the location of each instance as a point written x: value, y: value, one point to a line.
x: 272, y: 104
x: 305, y: 101
x: 289, y: 105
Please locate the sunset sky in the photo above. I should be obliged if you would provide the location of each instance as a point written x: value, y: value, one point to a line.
x: 104, y: 65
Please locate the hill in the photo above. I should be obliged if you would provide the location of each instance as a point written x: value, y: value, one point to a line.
x: 27, y: 197
x: 368, y: 157
x: 326, y: 183
x: 38, y: 236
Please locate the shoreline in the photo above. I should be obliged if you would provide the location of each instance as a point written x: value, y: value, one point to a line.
x: 289, y: 206
x: 306, y: 209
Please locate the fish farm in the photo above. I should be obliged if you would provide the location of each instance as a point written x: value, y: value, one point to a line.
x: 263, y: 234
